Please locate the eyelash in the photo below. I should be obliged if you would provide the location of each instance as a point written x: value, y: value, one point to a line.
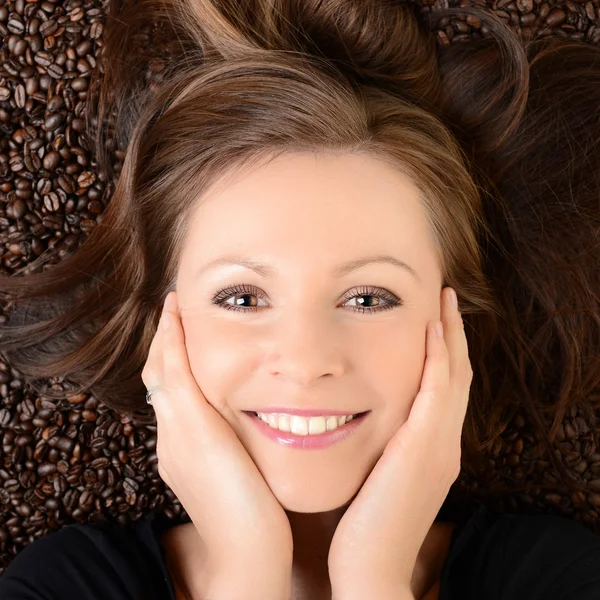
x: 242, y: 289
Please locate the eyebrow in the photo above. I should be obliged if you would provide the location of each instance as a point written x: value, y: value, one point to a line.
x: 268, y: 271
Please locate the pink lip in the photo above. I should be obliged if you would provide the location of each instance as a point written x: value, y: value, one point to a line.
x: 308, y: 442
x: 304, y: 412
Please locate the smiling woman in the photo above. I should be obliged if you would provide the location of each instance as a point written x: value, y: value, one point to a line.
x: 308, y: 332
x: 308, y: 177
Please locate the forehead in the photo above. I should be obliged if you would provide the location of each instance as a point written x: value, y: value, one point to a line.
x: 321, y: 208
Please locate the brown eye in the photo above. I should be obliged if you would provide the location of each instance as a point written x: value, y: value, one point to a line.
x: 385, y: 300
x: 391, y: 300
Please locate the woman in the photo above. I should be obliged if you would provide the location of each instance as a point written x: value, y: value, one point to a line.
x: 289, y: 145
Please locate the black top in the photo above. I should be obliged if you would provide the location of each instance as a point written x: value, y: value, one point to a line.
x: 491, y: 557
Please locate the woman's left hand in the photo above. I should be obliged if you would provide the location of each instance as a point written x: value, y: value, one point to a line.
x: 375, y: 545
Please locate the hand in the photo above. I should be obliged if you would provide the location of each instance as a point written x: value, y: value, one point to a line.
x: 239, y: 520
x: 376, y: 543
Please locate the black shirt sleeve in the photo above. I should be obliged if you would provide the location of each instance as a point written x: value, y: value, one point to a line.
x: 93, y: 562
x: 522, y: 557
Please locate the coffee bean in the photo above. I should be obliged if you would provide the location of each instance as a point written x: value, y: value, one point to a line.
x: 16, y: 26
x: 46, y: 469
x: 79, y: 84
x: 40, y: 452
x: 79, y: 125
x: 4, y: 417
x: 48, y: 28
x: 51, y: 161
x: 20, y: 96
x: 53, y: 222
x: 55, y: 71
x: 86, y: 179
x: 32, y: 162
x: 96, y: 30
x: 83, y: 66
x: 556, y: 17
x: 24, y: 439
x: 54, y: 120
x: 16, y: 164
x: 55, y: 103
x: 27, y: 409
x: 43, y: 58
x: 66, y: 183
x: 51, y: 202
x: 77, y: 14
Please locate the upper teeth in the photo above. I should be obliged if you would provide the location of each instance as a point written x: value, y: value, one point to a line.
x: 303, y: 425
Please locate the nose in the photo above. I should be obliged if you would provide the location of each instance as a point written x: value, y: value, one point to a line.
x: 304, y: 351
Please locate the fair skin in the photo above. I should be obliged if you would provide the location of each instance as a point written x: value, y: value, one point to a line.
x: 305, y: 346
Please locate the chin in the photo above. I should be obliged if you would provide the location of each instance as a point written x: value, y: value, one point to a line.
x: 304, y: 498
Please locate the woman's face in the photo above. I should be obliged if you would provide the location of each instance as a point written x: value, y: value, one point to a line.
x: 296, y: 339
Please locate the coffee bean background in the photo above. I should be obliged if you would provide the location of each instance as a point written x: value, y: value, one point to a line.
x: 78, y: 461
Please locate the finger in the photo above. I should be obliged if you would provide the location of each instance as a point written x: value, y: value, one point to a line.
x: 153, y: 368
x: 175, y: 359
x: 427, y: 406
x: 461, y: 372
x: 177, y: 373
x: 456, y: 341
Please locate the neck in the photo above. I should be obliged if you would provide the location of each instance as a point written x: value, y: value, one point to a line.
x: 312, y: 535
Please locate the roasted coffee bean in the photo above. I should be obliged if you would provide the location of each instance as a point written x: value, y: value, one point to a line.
x: 556, y: 17
x: 46, y: 469
x: 54, y: 120
x: 15, y: 26
x: 66, y: 183
x: 51, y: 202
x: 4, y: 417
x: 98, y: 444
x: 86, y: 179
x: 43, y: 58
x: 55, y: 71
x: 24, y: 439
x: 32, y: 162
x: 48, y: 27
x: 20, y: 96
x: 27, y: 408
x: 79, y: 84
x: 51, y: 161
x: 96, y: 30
x: 55, y: 103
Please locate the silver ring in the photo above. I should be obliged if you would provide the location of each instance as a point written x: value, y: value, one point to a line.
x: 149, y: 393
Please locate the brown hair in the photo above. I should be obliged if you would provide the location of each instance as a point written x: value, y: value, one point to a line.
x: 500, y: 138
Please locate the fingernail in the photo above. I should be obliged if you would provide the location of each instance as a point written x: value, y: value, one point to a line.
x: 165, y: 320
x: 439, y: 328
x: 453, y: 298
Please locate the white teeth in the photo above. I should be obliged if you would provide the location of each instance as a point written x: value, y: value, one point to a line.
x: 304, y: 425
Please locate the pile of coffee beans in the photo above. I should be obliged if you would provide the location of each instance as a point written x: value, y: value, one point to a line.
x: 75, y: 460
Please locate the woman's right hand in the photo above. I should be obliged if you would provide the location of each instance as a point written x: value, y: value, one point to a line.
x: 245, y: 531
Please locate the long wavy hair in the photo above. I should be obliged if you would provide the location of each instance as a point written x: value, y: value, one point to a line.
x: 500, y: 136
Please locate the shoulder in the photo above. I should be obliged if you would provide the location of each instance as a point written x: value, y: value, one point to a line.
x: 87, y: 560
x: 523, y: 556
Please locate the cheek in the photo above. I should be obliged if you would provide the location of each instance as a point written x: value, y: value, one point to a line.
x: 217, y: 359
x: 397, y: 367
